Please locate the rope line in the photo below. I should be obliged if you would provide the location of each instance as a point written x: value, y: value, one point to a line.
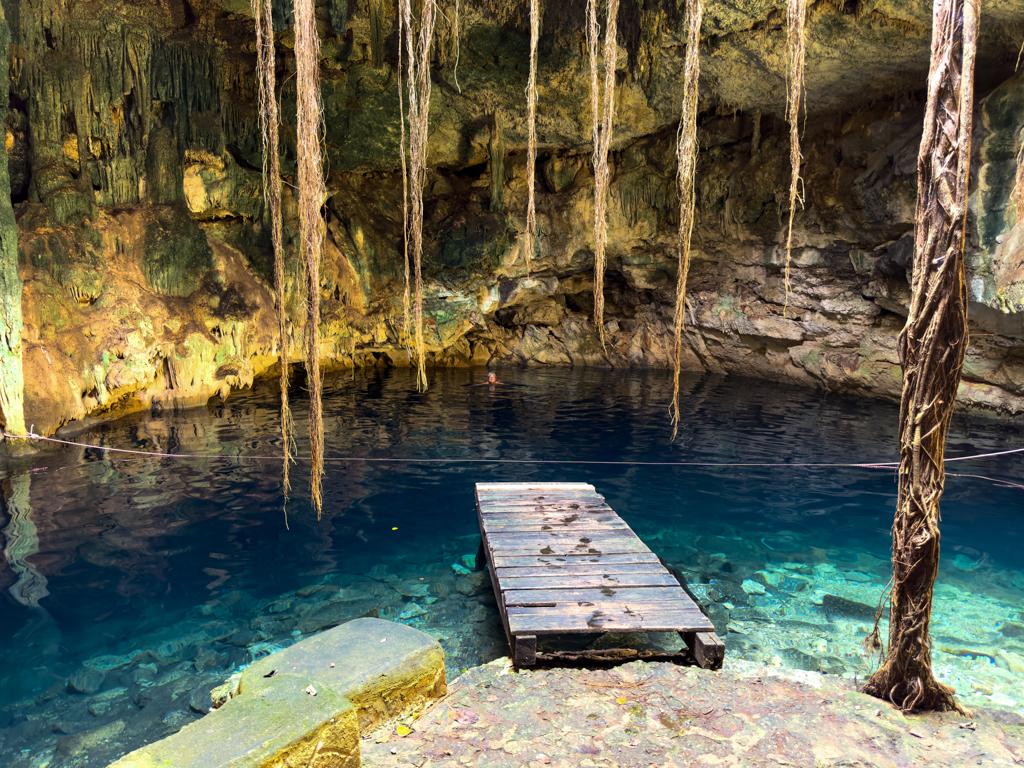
x: 369, y: 459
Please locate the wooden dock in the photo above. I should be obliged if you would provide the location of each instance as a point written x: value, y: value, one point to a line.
x: 562, y: 562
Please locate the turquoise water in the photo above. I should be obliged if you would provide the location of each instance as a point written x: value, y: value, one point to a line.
x: 147, y: 580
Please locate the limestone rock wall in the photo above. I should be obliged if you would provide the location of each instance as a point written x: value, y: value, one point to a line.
x: 134, y: 171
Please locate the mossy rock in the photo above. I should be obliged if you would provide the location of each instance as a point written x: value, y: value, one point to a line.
x: 176, y: 255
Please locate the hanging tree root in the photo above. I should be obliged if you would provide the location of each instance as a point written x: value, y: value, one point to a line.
x: 269, y: 121
x: 311, y: 224
x: 932, y: 347
x: 531, y: 121
x: 686, y: 166
x: 405, y: 181
x: 418, y: 48
x: 796, y: 46
x: 603, y: 123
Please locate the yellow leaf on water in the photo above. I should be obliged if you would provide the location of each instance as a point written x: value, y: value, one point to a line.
x: 403, y: 730
x: 620, y: 701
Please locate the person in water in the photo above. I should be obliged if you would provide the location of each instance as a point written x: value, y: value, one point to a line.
x: 492, y: 381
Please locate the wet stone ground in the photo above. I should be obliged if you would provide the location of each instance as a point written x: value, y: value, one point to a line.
x: 655, y: 715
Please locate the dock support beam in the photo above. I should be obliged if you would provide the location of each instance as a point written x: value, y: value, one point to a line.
x: 706, y: 647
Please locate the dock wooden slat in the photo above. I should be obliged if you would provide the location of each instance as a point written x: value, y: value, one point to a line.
x: 585, y: 570
x: 567, y: 581
x: 606, y: 558
x: 594, y: 596
x: 561, y: 561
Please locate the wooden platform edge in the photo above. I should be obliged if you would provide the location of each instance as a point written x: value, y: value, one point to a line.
x: 706, y: 648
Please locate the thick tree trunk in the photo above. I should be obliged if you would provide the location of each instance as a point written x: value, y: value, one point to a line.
x: 932, y: 347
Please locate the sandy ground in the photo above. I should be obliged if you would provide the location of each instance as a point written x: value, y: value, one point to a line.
x: 659, y: 714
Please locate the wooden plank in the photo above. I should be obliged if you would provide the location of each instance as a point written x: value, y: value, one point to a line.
x: 599, y: 622
x: 509, y: 506
x: 580, y: 569
x: 577, y: 527
x: 498, y: 539
x: 595, y: 596
x: 562, y: 510
x: 550, y: 500
x: 605, y: 558
x: 534, y: 486
x: 595, y: 540
x: 646, y: 607
x: 622, y: 547
x: 596, y: 581
x: 545, y: 502
x: 542, y: 524
x: 545, y: 514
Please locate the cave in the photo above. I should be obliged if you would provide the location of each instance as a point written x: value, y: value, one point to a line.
x: 137, y: 279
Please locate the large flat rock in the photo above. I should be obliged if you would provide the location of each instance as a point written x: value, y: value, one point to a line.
x: 386, y: 670
x: 307, y: 705
x: 279, y: 725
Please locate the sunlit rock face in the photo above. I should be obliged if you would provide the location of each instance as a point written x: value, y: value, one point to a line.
x: 135, y: 159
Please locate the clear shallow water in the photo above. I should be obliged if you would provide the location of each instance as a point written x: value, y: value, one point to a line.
x: 181, y: 568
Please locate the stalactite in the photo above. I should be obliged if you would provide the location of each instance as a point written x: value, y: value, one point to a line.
x: 497, y: 149
x: 796, y: 45
x: 311, y: 224
x: 267, y: 74
x: 531, y: 122
x: 418, y: 50
x: 602, y: 133
x: 378, y: 13
x: 686, y: 166
x: 932, y: 347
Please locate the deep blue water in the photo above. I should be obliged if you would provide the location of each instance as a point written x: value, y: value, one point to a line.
x: 128, y: 545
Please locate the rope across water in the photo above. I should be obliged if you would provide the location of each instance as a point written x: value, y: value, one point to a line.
x: 342, y: 459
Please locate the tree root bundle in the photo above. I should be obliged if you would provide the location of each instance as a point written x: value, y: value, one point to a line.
x: 418, y: 49
x: 531, y: 122
x: 269, y: 121
x: 312, y: 191
x: 932, y: 346
x: 796, y: 46
x: 686, y: 166
x: 603, y: 123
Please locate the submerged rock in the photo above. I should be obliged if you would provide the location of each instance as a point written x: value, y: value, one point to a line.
x: 839, y: 607
x: 473, y: 583
x: 752, y: 587
x: 86, y: 680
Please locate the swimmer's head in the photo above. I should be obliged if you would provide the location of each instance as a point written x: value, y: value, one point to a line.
x: 491, y: 378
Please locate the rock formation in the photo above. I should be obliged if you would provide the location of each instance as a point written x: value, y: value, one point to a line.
x: 134, y: 154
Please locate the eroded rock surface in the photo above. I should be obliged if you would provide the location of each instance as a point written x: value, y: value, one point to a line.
x: 134, y: 155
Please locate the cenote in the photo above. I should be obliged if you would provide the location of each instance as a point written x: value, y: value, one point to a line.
x: 792, y: 229
x: 166, y: 573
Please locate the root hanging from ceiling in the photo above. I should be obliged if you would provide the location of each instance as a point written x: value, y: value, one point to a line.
x: 312, y: 191
x: 531, y: 149
x: 418, y: 55
x: 796, y: 47
x: 266, y: 69
x: 686, y: 167
x: 602, y: 134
